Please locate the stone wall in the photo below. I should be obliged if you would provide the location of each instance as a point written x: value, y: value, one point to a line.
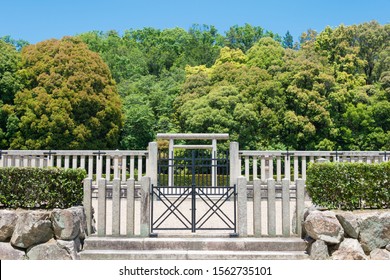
x: 42, y: 234
x: 339, y: 235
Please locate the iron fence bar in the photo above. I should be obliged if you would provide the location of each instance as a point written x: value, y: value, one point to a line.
x: 172, y: 211
x: 217, y: 208
x: 174, y: 208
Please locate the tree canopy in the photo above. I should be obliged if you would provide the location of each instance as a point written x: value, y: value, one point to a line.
x: 69, y: 100
x: 330, y: 90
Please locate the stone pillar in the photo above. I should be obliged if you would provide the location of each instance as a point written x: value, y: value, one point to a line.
x: 87, y: 203
x: 257, y: 207
x: 116, y: 207
x: 242, y: 207
x: 152, y: 163
x: 286, y: 207
x: 145, y: 206
x: 234, y: 163
x: 300, y: 183
x: 271, y: 207
x: 130, y: 185
x: 101, y: 230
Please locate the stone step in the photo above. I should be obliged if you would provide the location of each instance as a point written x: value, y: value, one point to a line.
x: 190, y: 255
x: 195, y: 244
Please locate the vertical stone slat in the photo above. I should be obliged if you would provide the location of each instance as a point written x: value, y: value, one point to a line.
x: 108, y: 168
x: 300, y: 184
x: 116, y: 167
x: 132, y: 167
x: 286, y: 228
x: 124, y: 170
x: 234, y: 163
x: 254, y: 167
x: 296, y: 168
x: 130, y: 186
x: 271, y: 207
x: 116, y: 207
x: 242, y: 207
x: 74, y: 161
x: 152, y: 163
x: 101, y: 230
x: 90, y: 167
x: 145, y: 206
x: 247, y: 168
x: 140, y: 168
x: 257, y: 207
x: 87, y: 203
x: 66, y: 165
x: 278, y: 169
x: 262, y: 171
x: 304, y: 167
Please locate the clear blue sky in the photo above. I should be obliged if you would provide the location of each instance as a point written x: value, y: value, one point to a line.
x: 37, y: 20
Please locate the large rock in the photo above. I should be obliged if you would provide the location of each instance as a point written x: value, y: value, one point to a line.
x: 349, y: 249
x: 324, y: 226
x: 32, y: 228
x: 350, y: 223
x: 380, y: 254
x: 66, y: 223
x: 72, y: 247
x: 7, y: 252
x: 388, y: 247
x: 80, y: 211
x: 48, y: 251
x: 375, y: 231
x: 319, y: 250
x: 7, y: 224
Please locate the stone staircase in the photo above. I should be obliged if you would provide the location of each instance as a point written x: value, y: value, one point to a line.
x: 199, y: 248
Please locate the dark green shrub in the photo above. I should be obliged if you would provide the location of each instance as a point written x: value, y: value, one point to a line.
x: 41, y: 187
x: 349, y: 185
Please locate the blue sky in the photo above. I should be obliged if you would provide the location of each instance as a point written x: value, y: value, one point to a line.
x: 37, y: 20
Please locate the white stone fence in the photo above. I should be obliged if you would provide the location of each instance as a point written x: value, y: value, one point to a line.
x: 98, y: 164
x: 293, y: 164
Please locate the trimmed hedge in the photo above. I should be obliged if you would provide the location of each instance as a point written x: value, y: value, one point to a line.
x: 349, y: 185
x: 29, y: 187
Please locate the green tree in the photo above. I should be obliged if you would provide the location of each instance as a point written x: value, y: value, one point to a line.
x: 69, y: 100
x: 243, y: 37
x: 288, y: 41
x: 9, y: 85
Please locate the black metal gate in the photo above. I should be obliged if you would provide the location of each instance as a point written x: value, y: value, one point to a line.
x: 193, y: 193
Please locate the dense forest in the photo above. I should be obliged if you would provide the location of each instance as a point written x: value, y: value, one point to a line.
x: 102, y: 90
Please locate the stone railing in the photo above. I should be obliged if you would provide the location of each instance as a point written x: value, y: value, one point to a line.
x: 293, y: 164
x: 98, y: 164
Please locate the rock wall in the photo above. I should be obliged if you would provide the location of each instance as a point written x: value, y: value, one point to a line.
x: 42, y: 234
x: 339, y: 235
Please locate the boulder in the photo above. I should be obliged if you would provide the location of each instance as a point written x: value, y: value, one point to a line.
x: 7, y: 252
x: 80, y: 212
x: 350, y: 223
x: 349, y: 249
x: 319, y: 250
x: 324, y: 226
x: 380, y: 254
x: 48, y: 251
x: 72, y: 247
x: 66, y: 223
x: 7, y: 224
x: 32, y: 227
x: 388, y: 247
x: 375, y: 231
